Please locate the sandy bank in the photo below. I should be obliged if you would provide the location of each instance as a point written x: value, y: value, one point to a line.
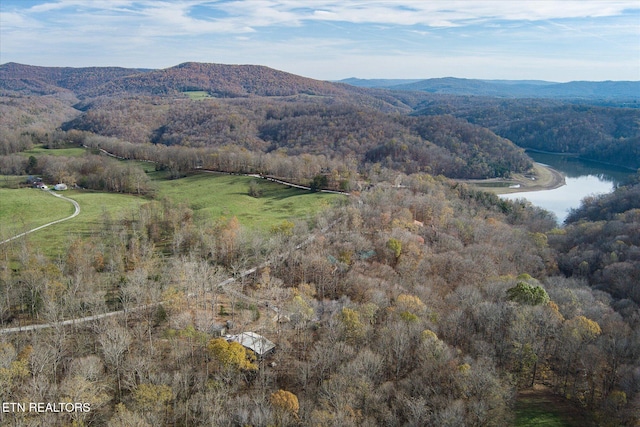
x: 541, y: 178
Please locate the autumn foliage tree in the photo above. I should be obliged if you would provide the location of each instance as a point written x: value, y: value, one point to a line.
x: 231, y: 355
x: 286, y: 405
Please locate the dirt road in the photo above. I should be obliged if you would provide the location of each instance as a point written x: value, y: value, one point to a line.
x: 75, y: 214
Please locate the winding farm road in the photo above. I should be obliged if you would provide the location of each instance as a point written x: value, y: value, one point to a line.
x: 75, y: 214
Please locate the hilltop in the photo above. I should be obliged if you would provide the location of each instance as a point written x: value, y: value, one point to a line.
x: 28, y: 79
x: 218, y: 80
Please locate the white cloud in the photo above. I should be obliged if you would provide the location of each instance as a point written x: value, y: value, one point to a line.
x: 327, y: 38
x: 50, y: 6
x: 14, y: 21
x: 238, y: 16
x: 262, y: 13
x: 429, y: 13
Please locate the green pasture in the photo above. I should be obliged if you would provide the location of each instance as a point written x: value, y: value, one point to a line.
x: 197, y: 95
x: 36, y: 207
x: 535, y: 416
x: 215, y: 195
x: 541, y: 408
x: 27, y: 208
x: 209, y: 195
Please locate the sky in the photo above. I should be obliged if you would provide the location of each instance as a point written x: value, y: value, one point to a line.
x: 555, y: 40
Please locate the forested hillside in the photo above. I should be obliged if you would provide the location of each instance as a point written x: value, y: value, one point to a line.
x: 602, y: 243
x: 594, y: 132
x: 413, y: 300
x: 27, y: 79
x: 219, y: 80
x: 427, y: 305
x: 28, y: 120
x: 264, y: 110
x: 438, y: 145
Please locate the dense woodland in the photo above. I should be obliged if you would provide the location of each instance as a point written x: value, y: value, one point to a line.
x: 429, y: 303
x: 256, y: 107
x: 606, y: 134
x: 601, y: 243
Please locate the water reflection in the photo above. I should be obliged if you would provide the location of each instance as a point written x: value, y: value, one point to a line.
x: 583, y: 178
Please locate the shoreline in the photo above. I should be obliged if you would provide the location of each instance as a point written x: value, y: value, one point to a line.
x: 542, y: 178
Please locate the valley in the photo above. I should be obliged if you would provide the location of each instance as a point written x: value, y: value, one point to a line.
x: 414, y: 296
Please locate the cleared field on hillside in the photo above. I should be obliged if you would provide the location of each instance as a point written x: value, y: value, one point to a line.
x: 27, y: 208
x: 539, y: 407
x: 95, y: 208
x: 215, y: 195
x: 210, y: 196
x: 197, y: 95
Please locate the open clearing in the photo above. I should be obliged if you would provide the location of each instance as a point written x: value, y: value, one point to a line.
x: 215, y: 195
x: 66, y: 152
x: 197, y: 95
x: 539, y: 407
x: 27, y: 208
x: 51, y: 241
x: 209, y: 195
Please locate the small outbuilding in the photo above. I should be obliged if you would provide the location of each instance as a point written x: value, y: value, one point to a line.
x: 257, y: 343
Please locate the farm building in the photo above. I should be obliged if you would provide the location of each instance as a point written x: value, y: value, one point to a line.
x: 254, y: 342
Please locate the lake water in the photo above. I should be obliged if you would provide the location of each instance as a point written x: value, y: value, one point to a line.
x: 583, y: 178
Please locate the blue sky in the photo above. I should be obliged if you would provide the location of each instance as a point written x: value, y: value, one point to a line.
x: 557, y: 40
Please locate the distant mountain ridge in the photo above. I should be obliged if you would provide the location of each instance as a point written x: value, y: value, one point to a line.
x: 218, y: 79
x: 48, y: 80
x: 623, y: 90
x: 221, y: 80
x: 377, y: 83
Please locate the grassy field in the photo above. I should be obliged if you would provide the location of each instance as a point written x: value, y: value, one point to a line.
x: 209, y: 195
x: 27, y: 208
x: 36, y: 207
x: 541, y: 408
x: 197, y: 95
x: 530, y: 414
x: 215, y: 195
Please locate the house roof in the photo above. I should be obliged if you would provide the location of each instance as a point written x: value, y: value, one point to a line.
x: 257, y: 343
